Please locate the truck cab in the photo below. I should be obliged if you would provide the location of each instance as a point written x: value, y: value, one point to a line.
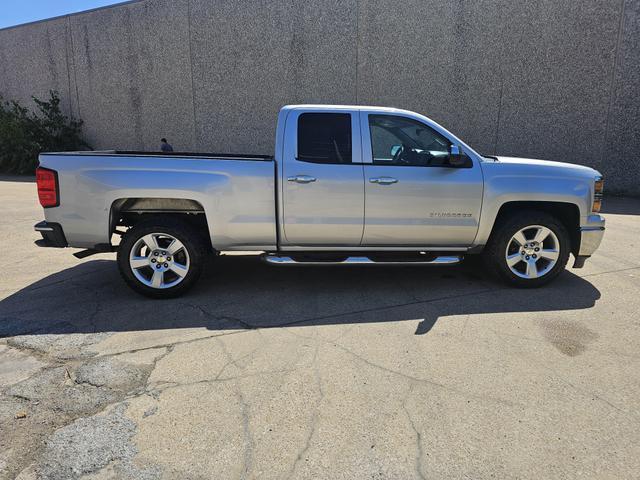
x: 378, y: 178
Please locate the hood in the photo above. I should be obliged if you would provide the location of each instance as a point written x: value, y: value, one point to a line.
x: 547, y: 165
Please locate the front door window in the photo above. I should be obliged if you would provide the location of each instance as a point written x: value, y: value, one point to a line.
x: 403, y: 141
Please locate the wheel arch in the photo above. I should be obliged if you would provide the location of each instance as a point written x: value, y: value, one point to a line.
x: 127, y: 212
x: 567, y: 213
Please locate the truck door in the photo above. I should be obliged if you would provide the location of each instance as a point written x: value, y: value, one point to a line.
x: 413, y: 194
x: 322, y: 179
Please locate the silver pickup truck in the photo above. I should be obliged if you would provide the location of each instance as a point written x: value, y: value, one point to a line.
x: 347, y: 185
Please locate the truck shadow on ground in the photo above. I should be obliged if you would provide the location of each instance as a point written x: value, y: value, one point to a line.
x: 243, y: 293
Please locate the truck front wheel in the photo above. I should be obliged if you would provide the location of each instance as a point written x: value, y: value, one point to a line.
x: 161, y: 258
x: 528, y: 250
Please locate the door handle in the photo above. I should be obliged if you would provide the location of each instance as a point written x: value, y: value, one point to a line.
x: 383, y: 180
x: 301, y: 179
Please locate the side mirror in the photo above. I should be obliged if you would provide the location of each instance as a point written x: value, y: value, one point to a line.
x: 457, y: 158
x: 394, y: 150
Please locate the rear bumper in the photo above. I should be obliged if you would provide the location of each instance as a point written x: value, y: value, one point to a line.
x: 52, y: 235
x: 591, y: 235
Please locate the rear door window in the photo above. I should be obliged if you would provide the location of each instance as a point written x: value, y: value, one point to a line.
x: 324, y: 138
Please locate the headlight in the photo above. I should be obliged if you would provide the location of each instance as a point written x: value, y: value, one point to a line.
x: 598, y: 190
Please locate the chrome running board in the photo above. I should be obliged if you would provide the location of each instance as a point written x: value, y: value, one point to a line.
x: 283, y: 260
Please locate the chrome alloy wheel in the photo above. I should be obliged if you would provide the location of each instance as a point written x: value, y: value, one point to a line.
x: 159, y: 260
x: 532, y: 252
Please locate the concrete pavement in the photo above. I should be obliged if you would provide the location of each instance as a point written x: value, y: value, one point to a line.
x: 264, y: 372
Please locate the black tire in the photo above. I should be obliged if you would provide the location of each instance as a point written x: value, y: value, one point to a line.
x: 185, y: 233
x: 494, y: 255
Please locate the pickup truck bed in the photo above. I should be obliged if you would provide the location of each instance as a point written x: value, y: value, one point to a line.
x: 235, y: 192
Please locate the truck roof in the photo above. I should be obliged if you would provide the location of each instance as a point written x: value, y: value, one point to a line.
x: 344, y: 107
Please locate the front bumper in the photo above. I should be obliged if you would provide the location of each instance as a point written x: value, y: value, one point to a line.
x: 52, y: 235
x: 591, y: 235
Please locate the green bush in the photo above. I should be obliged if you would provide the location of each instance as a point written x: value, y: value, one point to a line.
x: 24, y: 134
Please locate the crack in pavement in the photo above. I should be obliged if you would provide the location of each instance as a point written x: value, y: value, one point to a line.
x: 206, y: 313
x: 171, y: 385
x: 419, y: 451
x: 234, y: 362
x: 249, y: 443
x: 170, y: 344
x: 588, y: 393
x: 314, y: 417
x: 426, y: 380
x: 610, y: 271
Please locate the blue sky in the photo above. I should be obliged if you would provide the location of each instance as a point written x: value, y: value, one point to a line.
x: 15, y: 12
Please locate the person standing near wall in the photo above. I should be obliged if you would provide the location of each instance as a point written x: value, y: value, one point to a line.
x: 165, y: 146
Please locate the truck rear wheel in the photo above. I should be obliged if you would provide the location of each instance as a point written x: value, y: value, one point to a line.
x: 161, y: 258
x: 528, y: 250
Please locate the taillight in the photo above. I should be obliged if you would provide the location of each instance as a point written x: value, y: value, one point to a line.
x: 48, y: 192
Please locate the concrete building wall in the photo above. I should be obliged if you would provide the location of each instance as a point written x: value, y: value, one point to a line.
x: 553, y: 79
